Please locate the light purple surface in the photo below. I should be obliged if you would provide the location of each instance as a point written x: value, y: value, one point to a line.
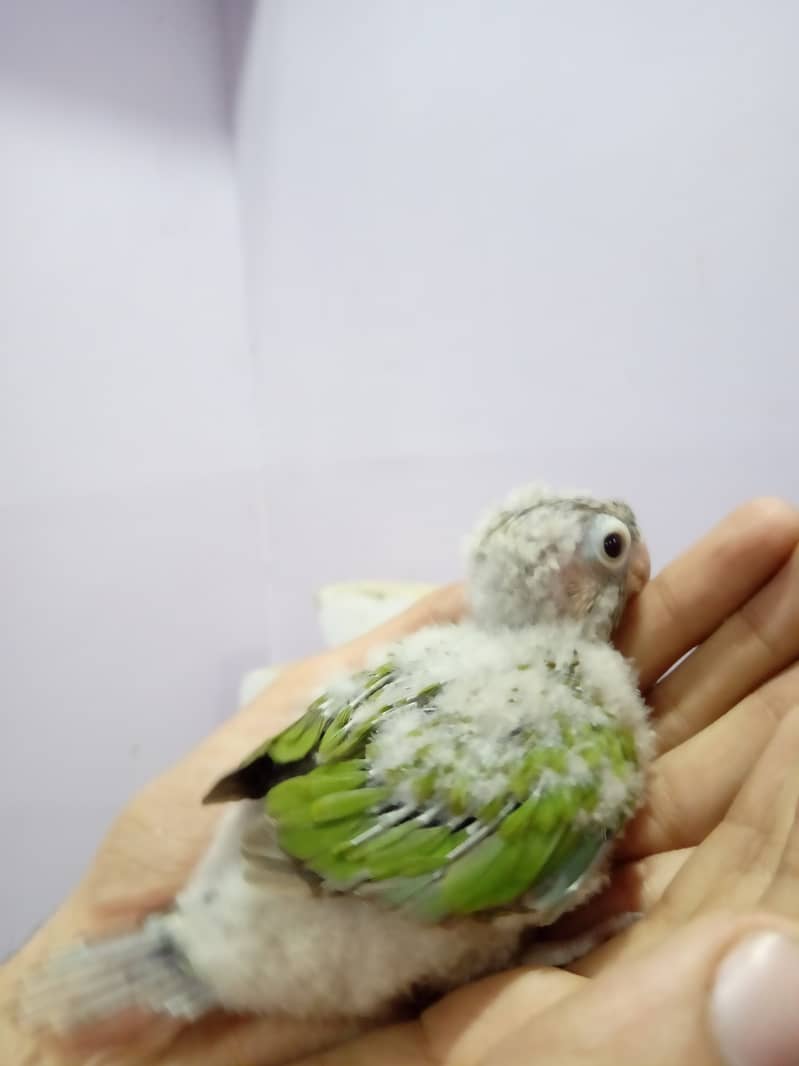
x: 132, y: 562
x: 254, y: 344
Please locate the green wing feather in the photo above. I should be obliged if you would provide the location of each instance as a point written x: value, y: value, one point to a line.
x: 318, y: 735
x: 431, y: 857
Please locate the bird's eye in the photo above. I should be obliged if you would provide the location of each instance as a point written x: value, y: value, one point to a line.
x: 611, y: 541
x: 613, y: 545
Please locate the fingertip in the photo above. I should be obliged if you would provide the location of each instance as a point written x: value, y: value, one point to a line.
x: 684, y: 603
x: 752, y: 1012
x: 776, y: 518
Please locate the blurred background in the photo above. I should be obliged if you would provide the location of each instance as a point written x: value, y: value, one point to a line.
x: 290, y: 290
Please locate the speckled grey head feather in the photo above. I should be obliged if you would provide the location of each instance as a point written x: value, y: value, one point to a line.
x: 532, y: 497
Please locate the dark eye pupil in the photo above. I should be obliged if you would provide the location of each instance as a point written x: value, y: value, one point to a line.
x: 613, y: 545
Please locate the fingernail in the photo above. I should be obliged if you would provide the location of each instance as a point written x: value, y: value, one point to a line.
x: 754, y: 1006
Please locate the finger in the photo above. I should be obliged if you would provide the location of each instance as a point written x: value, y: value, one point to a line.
x: 737, y: 864
x: 464, y: 1025
x: 691, y: 787
x: 692, y: 596
x: 401, y: 1045
x: 720, y: 990
x: 782, y: 896
x: 751, y: 646
x: 273, y: 1041
x: 460, y: 1028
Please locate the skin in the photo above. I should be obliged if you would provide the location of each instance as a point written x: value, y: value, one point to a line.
x: 711, y: 856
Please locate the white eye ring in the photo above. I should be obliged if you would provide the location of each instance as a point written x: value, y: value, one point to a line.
x: 610, y: 540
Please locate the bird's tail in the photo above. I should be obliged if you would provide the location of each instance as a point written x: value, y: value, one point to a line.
x: 93, y: 982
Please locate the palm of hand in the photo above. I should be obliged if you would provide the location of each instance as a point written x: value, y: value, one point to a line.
x: 735, y: 596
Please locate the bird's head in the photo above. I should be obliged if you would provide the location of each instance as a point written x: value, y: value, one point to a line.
x: 549, y: 556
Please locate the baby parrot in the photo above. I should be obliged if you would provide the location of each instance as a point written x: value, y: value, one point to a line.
x: 422, y: 816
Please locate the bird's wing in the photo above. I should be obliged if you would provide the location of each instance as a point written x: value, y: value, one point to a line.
x: 436, y: 856
x: 322, y: 735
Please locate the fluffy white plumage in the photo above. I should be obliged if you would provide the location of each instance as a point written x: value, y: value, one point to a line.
x: 318, y: 956
x: 520, y: 555
x: 486, y: 696
x: 254, y: 931
x: 378, y: 955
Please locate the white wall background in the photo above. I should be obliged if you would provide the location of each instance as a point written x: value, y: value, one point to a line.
x: 491, y: 241
x: 132, y: 566
x: 481, y: 243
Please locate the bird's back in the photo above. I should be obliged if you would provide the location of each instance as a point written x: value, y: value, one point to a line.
x: 464, y: 771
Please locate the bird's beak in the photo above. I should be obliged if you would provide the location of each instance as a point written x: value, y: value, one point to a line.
x: 639, y: 569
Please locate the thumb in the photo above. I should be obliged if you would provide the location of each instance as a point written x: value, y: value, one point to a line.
x: 720, y: 992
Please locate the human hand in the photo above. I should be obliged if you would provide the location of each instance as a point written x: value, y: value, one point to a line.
x: 732, y: 594
x: 708, y: 976
x: 724, y: 709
